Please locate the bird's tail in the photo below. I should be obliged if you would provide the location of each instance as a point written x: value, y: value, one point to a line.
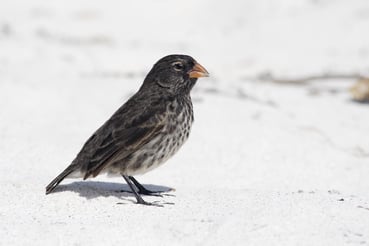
x: 53, y: 184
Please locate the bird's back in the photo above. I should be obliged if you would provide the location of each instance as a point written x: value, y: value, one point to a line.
x: 120, y: 132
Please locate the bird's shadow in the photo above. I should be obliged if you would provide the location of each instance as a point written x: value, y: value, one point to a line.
x: 94, y: 189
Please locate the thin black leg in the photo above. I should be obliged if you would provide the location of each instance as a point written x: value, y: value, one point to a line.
x: 138, y: 197
x: 142, y: 190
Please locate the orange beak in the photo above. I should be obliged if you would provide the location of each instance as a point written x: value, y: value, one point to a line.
x: 198, y: 71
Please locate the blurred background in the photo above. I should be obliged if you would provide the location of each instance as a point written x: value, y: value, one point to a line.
x: 284, y: 112
x: 244, y: 38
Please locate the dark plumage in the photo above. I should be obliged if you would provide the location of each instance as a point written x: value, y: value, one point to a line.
x: 147, y: 130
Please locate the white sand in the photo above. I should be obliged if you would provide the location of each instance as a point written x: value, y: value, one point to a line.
x: 266, y: 164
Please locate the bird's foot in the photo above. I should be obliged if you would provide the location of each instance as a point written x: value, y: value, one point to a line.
x: 146, y: 192
x: 143, y: 202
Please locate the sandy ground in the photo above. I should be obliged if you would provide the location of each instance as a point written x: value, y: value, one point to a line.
x: 266, y: 164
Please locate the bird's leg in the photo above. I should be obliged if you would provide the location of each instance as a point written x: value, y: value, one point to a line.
x: 138, y: 197
x: 142, y: 190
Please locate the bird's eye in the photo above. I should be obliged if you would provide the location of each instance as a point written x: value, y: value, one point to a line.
x: 178, y: 66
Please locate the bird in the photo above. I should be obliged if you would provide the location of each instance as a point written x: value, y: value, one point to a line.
x: 148, y: 129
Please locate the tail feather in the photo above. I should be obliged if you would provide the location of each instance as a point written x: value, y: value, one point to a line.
x: 53, y: 184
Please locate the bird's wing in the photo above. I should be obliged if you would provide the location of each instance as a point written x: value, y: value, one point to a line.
x: 123, y: 141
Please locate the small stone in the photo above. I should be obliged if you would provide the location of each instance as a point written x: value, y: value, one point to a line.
x: 360, y: 90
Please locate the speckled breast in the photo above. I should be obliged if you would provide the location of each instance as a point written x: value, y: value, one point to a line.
x: 166, y: 144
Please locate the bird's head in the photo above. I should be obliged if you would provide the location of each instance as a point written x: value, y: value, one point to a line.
x: 176, y: 74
